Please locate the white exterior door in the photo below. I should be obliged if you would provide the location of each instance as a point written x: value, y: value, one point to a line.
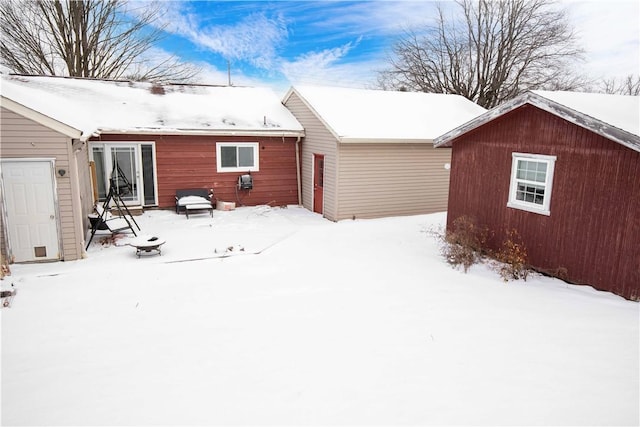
x: 30, y: 207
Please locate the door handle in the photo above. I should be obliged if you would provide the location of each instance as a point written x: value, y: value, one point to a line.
x: 52, y: 217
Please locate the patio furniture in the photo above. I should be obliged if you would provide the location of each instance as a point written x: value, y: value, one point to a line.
x: 103, y: 220
x: 146, y: 244
x: 194, y: 200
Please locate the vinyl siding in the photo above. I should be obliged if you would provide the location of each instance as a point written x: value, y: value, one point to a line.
x: 373, y: 180
x: 318, y: 140
x: 24, y: 138
x: 378, y: 180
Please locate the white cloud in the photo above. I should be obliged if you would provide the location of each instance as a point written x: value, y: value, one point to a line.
x: 383, y: 18
x: 328, y: 67
x: 254, y: 39
x: 315, y: 61
x: 610, y: 34
x: 214, y: 76
x: 211, y: 75
x: 207, y: 73
x: 609, y: 31
x: 257, y: 39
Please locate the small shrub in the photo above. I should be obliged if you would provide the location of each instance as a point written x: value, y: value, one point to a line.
x: 513, y: 258
x: 464, y: 244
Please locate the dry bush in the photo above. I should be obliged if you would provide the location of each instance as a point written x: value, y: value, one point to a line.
x: 465, y: 243
x: 512, y: 257
x: 4, y: 271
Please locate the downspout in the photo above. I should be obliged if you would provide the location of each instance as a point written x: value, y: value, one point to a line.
x: 298, y: 170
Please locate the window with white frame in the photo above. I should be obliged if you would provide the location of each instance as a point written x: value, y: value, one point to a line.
x: 531, y: 182
x: 237, y: 156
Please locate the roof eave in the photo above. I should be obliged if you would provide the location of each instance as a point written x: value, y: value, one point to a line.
x: 603, y: 129
x: 446, y: 139
x: 203, y: 132
x: 354, y: 140
x: 287, y: 95
x: 310, y: 107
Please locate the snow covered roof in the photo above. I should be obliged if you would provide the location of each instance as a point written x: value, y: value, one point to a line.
x: 363, y: 115
x: 100, y: 106
x: 616, y: 117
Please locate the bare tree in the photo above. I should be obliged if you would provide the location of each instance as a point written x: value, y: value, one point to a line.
x: 630, y: 85
x: 85, y: 38
x: 493, y: 51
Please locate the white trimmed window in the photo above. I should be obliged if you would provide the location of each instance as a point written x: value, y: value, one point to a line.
x: 237, y: 156
x: 531, y: 182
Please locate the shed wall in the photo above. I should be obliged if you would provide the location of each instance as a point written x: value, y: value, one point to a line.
x: 318, y: 140
x: 379, y: 180
x: 190, y: 162
x: 21, y: 137
x: 593, y: 232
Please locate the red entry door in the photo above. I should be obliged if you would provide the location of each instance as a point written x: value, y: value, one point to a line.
x: 318, y: 182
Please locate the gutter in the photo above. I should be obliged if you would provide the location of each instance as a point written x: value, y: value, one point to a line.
x: 349, y: 140
x: 263, y: 133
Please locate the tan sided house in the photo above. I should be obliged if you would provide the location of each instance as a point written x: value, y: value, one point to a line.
x: 161, y: 138
x: 369, y: 153
x: 45, y: 187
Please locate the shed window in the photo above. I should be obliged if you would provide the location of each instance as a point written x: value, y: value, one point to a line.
x: 237, y: 156
x: 531, y: 182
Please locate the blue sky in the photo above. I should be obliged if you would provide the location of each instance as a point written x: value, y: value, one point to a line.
x: 344, y: 43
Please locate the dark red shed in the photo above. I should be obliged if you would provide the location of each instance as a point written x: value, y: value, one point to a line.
x: 563, y: 170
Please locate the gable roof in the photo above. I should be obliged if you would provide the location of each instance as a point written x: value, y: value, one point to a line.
x: 40, y: 118
x: 364, y: 115
x: 102, y: 106
x: 616, y: 117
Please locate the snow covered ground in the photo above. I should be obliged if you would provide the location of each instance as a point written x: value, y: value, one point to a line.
x: 276, y: 316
